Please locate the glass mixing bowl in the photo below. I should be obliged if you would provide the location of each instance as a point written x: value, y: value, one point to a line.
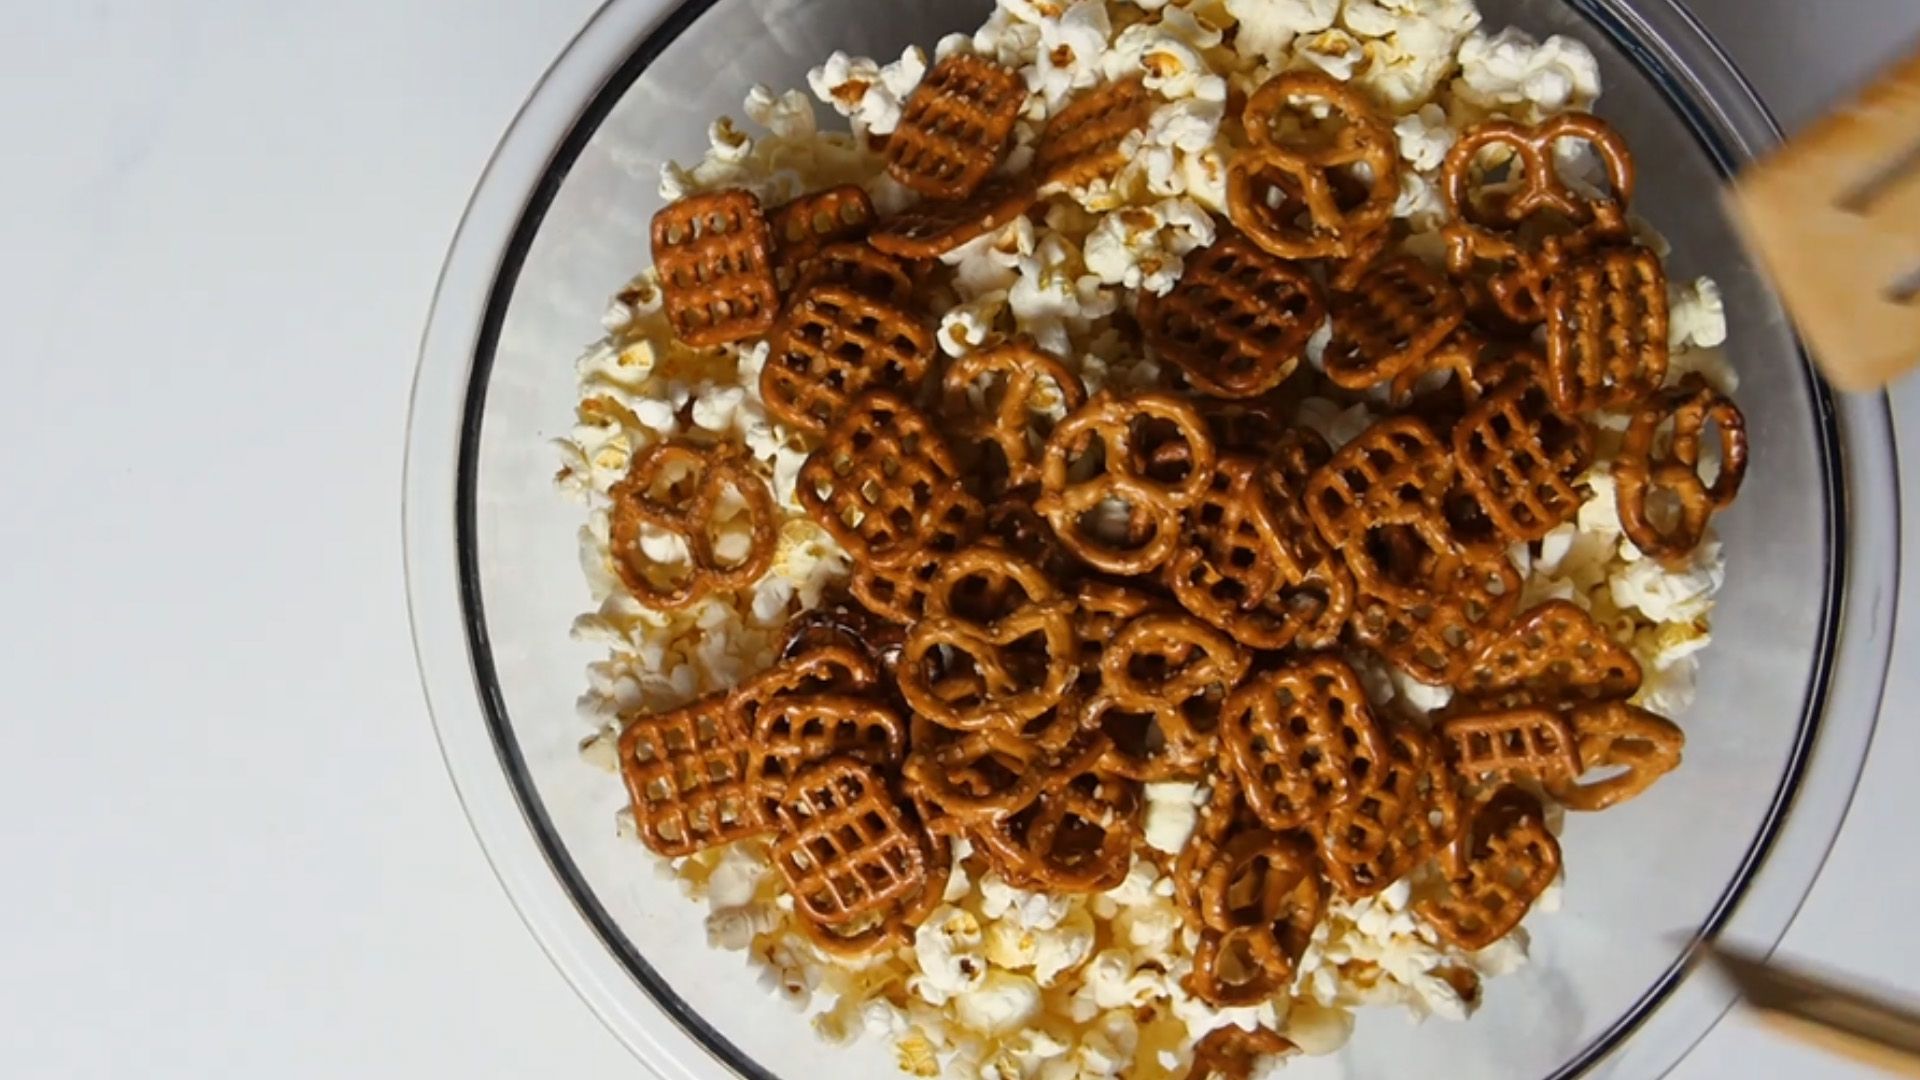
x: 1726, y: 847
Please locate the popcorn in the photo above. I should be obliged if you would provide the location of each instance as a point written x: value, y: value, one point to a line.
x: 1070, y: 53
x: 1171, y: 54
x: 1031, y: 911
x: 867, y: 94
x: 1000, y: 1002
x: 1143, y: 247
x: 1511, y: 72
x: 1267, y: 27
x: 1333, y: 51
x: 1172, y: 814
x: 951, y: 950
x: 1698, y: 316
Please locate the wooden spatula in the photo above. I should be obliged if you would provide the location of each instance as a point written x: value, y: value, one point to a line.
x: 1814, y: 1009
x: 1835, y: 215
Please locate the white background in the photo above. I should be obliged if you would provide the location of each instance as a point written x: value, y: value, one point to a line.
x: 228, y: 847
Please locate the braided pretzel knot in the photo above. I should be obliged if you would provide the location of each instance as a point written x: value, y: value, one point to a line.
x: 1393, y: 318
x: 996, y: 648
x: 857, y: 266
x: 1284, y: 190
x: 1259, y: 899
x: 1519, y: 456
x: 1505, y: 857
x: 1157, y: 460
x: 953, y: 130
x: 1164, y: 678
x: 852, y: 861
x: 1436, y: 638
x: 1231, y: 1052
x: 1537, y: 743
x: 1551, y: 656
x: 810, y: 223
x: 1078, y: 834
x: 1691, y: 406
x: 1615, y: 735
x: 1302, y: 740
x: 1082, y: 143
x: 832, y: 344
x: 698, y: 478
x: 1385, y: 834
x: 1000, y: 399
x: 884, y: 482
x: 1380, y: 502
x: 792, y: 733
x: 714, y: 254
x: 1237, y: 321
x: 1607, y: 327
x: 932, y: 229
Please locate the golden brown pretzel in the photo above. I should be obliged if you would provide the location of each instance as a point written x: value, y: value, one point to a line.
x: 954, y: 127
x: 1504, y: 858
x: 1519, y: 457
x: 1607, y: 330
x: 1238, y: 320
x: 859, y: 267
x: 1082, y: 142
x: 832, y: 344
x: 714, y: 254
x: 884, y: 482
x: 1393, y: 318
x: 795, y: 732
x: 1165, y: 677
x: 933, y: 228
x: 1302, y: 740
x: 1380, y: 502
x: 1284, y: 191
x: 1260, y: 899
x: 1435, y: 638
x: 1387, y: 833
x: 688, y: 509
x: 1015, y: 385
x: 1231, y: 1052
x: 1615, y: 735
x: 686, y: 775
x: 1158, y: 460
x: 806, y: 225
x: 1551, y: 656
x: 1538, y: 743
x: 1078, y: 835
x: 1691, y: 406
x: 845, y: 848
x: 1540, y: 188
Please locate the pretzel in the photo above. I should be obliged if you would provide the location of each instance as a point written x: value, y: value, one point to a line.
x: 969, y: 663
x: 846, y: 628
x: 810, y: 223
x: 1385, y: 834
x: 1246, y: 426
x: 1519, y: 457
x: 1237, y: 321
x: 953, y: 129
x: 1537, y: 743
x: 1015, y: 385
x: 970, y: 777
x: 1015, y: 525
x: 1082, y: 143
x: 884, y: 483
x: 1615, y: 735
x: 858, y: 940
x: 1607, y: 326
x: 1164, y: 680
x: 1691, y: 405
x: 1436, y: 638
x: 1504, y: 858
x: 1380, y: 501
x: 846, y: 851
x: 793, y: 733
x: 832, y: 344
x: 857, y: 266
x: 1507, y: 279
x: 1260, y: 900
x: 1231, y: 1052
x: 1077, y: 835
x: 1302, y: 740
x: 897, y: 589
x: 1478, y: 364
x: 1283, y: 191
x: 1396, y: 315
x: 932, y: 229
x: 1553, y: 655
x: 688, y: 509
x: 1131, y: 432
x: 830, y: 669
x: 1223, y: 814
x: 714, y: 255
x: 1540, y: 189
x: 686, y: 777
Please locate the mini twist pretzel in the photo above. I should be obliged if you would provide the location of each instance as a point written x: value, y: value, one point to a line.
x: 806, y: 225
x: 686, y: 777
x: 1134, y: 433
x: 996, y: 648
x: 1302, y: 740
x: 1380, y: 501
x: 932, y: 229
x: 969, y: 777
x: 1165, y: 677
x: 1231, y: 1052
x: 1101, y: 610
x: 859, y: 267
x: 1436, y: 638
x: 1385, y: 834
x: 831, y: 669
x: 1396, y: 315
x: 846, y: 851
x: 1553, y: 655
x: 1259, y: 900
x: 1478, y: 364
x: 1691, y: 405
x: 1238, y: 320
x: 1082, y: 142
x: 1519, y: 456
x: 1504, y: 858
x: 1016, y: 384
x: 954, y: 127
x: 1285, y: 191
x: 1539, y: 188
x: 1516, y: 742
x: 688, y: 510
x: 1615, y: 735
x: 1077, y: 836
x: 832, y: 344
x: 793, y: 733
x: 1607, y: 326
x: 884, y: 482
x: 714, y: 254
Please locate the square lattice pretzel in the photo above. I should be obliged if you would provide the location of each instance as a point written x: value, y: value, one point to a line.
x: 714, y: 253
x: 846, y: 850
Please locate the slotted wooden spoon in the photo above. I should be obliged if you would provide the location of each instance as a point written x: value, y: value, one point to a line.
x: 1835, y: 215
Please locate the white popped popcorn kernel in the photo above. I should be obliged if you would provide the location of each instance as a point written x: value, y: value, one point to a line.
x: 1069, y: 56
x: 1333, y: 51
x: 1034, y: 911
x: 1267, y: 27
x: 1664, y: 594
x: 1144, y: 247
x: 1002, y: 1001
x: 869, y: 95
x: 1418, y: 695
x: 1171, y: 54
x: 1318, y: 1029
x: 1172, y: 814
x: 974, y: 325
x: 714, y: 408
x: 1424, y: 138
x: 1113, y: 980
x: 1064, y: 947
x: 1698, y: 318
x: 951, y: 950
x: 786, y: 116
x: 1511, y: 72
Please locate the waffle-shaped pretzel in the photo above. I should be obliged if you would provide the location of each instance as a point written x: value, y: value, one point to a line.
x: 1082, y: 142
x: 884, y: 482
x: 1158, y: 460
x: 1514, y: 742
x: 1519, y: 457
x: 1165, y: 678
x: 1380, y: 501
x: 954, y: 127
x: 1436, y: 637
x: 1607, y: 326
x: 897, y: 588
x: 1478, y: 365
x: 794, y: 732
x: 1231, y: 1052
x: 859, y: 267
x: 1302, y: 740
x: 1285, y: 191
x: 932, y: 229
x: 996, y: 647
x: 1247, y: 426
x: 832, y: 344
x: 892, y: 926
x: 1000, y: 398
x: 1638, y: 473
x: 1395, y: 316
x: 1504, y: 858
x: 1077, y: 836
x: 1537, y: 187
x: 1551, y: 656
x: 688, y: 509
x: 1384, y: 835
x: 831, y: 669
x: 802, y: 227
x: 1617, y: 736
x: 686, y: 774
x: 846, y: 850
x: 714, y: 254
x: 1237, y: 321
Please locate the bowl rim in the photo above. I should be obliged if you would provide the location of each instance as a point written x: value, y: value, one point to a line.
x: 475, y: 734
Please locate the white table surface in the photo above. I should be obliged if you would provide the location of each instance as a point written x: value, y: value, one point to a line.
x: 228, y: 847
